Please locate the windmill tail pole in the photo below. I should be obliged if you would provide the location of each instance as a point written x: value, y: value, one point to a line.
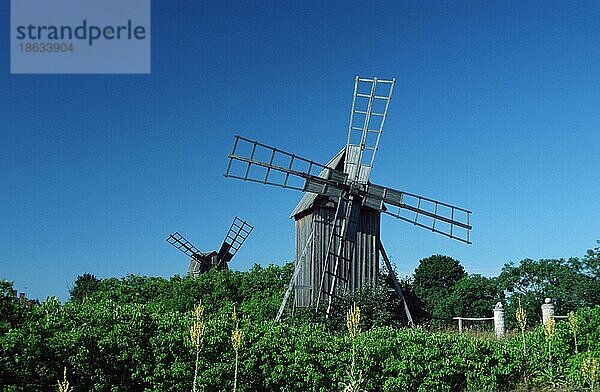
x: 397, y: 287
x: 288, y: 292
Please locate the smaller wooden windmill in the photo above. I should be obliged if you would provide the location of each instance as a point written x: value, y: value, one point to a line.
x: 203, y: 261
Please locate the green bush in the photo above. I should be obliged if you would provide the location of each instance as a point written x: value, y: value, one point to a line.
x: 132, y: 334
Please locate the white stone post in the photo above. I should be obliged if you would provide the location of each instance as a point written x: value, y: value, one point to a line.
x: 547, y: 310
x: 499, y: 320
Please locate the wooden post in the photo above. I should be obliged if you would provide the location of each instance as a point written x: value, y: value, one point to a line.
x: 499, y: 320
x: 460, y: 325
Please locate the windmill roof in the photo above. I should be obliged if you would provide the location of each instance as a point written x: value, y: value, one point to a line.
x: 308, y: 200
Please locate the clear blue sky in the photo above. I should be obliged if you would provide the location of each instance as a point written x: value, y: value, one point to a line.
x: 496, y: 109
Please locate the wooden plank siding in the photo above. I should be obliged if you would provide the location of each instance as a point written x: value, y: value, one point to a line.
x: 364, y: 268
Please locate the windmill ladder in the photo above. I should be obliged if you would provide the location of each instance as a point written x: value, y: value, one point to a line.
x: 339, y: 254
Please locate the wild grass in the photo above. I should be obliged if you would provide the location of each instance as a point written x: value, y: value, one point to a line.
x: 521, y: 316
x: 353, y: 325
x: 549, y: 332
x: 197, y: 332
x: 237, y: 337
x: 589, y: 370
x: 63, y: 386
x: 574, y: 328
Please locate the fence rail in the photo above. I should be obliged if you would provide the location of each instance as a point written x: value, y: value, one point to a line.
x: 461, y: 319
x: 547, y: 314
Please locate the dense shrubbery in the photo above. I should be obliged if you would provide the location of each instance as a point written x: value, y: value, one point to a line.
x: 132, y: 334
x: 107, y: 345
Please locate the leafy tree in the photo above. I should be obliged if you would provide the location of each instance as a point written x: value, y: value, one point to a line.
x: 85, y: 285
x: 8, y: 309
x: 472, y: 296
x: 13, y: 311
x: 591, y: 262
x: 415, y: 305
x: 570, y: 283
x: 434, y: 280
x: 378, y: 306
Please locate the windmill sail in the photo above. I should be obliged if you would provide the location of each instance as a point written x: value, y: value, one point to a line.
x: 199, y: 262
x: 370, y: 103
x: 181, y: 243
x: 257, y: 162
x: 237, y: 234
x: 439, y: 217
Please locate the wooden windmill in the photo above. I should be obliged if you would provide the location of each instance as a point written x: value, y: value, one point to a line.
x: 203, y: 261
x: 338, y: 219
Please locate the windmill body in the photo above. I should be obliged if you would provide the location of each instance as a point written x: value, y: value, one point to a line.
x: 201, y: 262
x: 338, y: 220
x: 318, y: 212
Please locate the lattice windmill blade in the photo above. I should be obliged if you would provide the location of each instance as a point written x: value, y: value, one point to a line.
x: 370, y: 103
x: 442, y: 218
x: 199, y: 261
x: 236, y: 236
x: 181, y: 243
x: 257, y: 162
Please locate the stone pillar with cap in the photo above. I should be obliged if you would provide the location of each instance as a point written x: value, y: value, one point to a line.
x: 499, y: 320
x: 547, y: 310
